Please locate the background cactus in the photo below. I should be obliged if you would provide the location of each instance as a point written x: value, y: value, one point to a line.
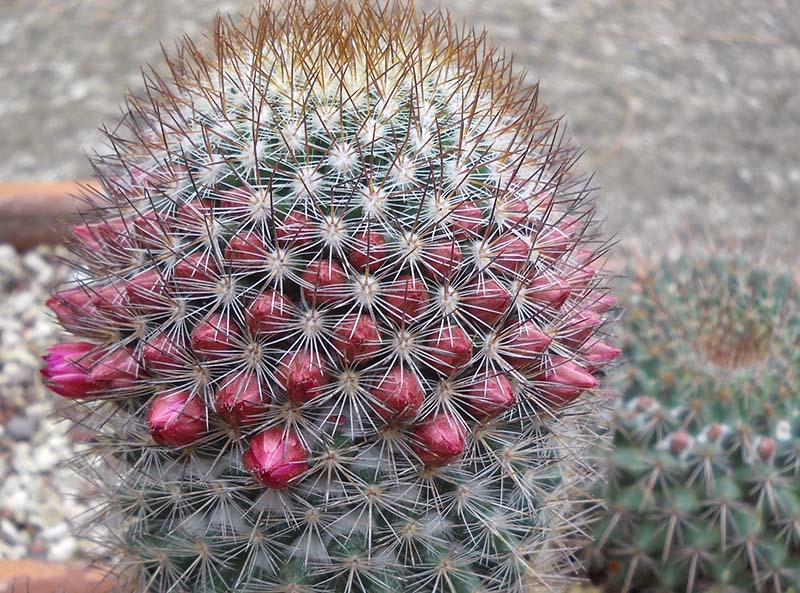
x: 704, y: 479
x: 338, y: 304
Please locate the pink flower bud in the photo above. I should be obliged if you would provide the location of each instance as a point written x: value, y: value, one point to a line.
x: 295, y: 230
x: 276, y: 457
x: 270, y: 314
x: 579, y: 327
x: 147, y: 289
x: 441, y: 259
x: 514, y: 211
x: 466, y: 220
x: 302, y: 375
x: 600, y: 303
x: 236, y: 201
x: 104, y: 234
x: 714, y: 432
x: 195, y: 216
x: 163, y: 354
x: 489, y: 395
x: 598, y: 354
x: 523, y: 344
x: 324, y: 282
x: 151, y: 229
x: 73, y: 307
x: 111, y: 300
x: 449, y: 349
x: 398, y: 394
x: 580, y: 278
x: 67, y: 370
x: 197, y: 267
x: 509, y: 254
x: 486, y: 299
x: 766, y: 448
x: 245, y: 251
x: 117, y: 369
x: 356, y: 338
x: 405, y: 298
x: 563, y: 381
x: 241, y: 399
x: 552, y: 243
x: 176, y: 418
x: 368, y: 251
x: 215, y: 338
x: 549, y: 289
x: 439, y: 440
x: 679, y: 441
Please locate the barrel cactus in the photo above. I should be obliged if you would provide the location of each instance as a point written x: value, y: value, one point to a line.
x: 704, y: 479
x: 338, y: 314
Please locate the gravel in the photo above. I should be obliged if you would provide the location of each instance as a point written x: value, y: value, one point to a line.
x: 39, y: 492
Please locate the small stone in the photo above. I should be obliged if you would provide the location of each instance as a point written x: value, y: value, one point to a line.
x: 20, y: 428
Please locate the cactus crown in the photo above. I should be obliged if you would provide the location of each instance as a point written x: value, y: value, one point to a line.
x: 339, y: 303
x: 704, y: 490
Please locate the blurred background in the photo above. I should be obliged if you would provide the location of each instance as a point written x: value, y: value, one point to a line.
x: 688, y: 111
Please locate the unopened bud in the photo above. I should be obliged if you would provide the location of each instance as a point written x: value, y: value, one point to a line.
x: 440, y: 439
x: 270, y: 314
x: 398, y: 394
x: 563, y: 381
x: 276, y: 457
x: 215, y: 338
x: 176, y: 418
x: 241, y: 399
x: 368, y: 251
x: 449, y: 349
x: 486, y: 299
x: 441, y: 259
x: 405, y: 298
x: 489, y: 395
x: 356, y: 338
x: 324, y: 282
x: 523, y: 344
x: 302, y: 375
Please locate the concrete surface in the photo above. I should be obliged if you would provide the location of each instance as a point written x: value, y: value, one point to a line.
x: 689, y: 110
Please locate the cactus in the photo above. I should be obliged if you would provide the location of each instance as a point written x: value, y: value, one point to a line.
x: 704, y: 479
x: 339, y: 316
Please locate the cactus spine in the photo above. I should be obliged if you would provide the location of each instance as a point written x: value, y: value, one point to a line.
x: 340, y: 315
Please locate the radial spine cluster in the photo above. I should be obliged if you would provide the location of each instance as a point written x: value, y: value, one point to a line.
x: 704, y: 479
x: 340, y: 315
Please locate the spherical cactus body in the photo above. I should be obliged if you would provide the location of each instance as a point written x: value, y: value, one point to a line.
x: 704, y: 478
x: 339, y: 315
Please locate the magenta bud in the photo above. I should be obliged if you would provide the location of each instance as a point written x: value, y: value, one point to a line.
x: 486, y: 299
x: 151, y: 229
x: 714, y: 432
x: 215, y: 338
x: 67, y: 370
x: 600, y: 303
x: 563, y: 381
x: 598, y: 354
x: 97, y: 235
x: 439, y: 440
x: 295, y: 230
x: 523, y: 344
x: 489, y: 395
x: 766, y: 448
x: 147, y: 289
x: 679, y: 441
x: 176, y: 418
x: 405, y: 298
x: 302, y: 375
x: 194, y: 216
x: 245, y: 251
x: 398, y: 394
x: 270, y: 314
x: 163, y: 354
x: 276, y: 457
x: 549, y: 289
x: 579, y: 328
x: 509, y: 254
x: 242, y: 399
x: 324, y: 282
x: 356, y: 338
x: 72, y: 307
x: 111, y: 300
x: 515, y: 211
x: 237, y: 200
x: 449, y: 349
x: 117, y: 369
x: 196, y: 268
x: 581, y: 277
x: 441, y: 259
x: 553, y: 243
x: 466, y: 220
x: 368, y: 251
